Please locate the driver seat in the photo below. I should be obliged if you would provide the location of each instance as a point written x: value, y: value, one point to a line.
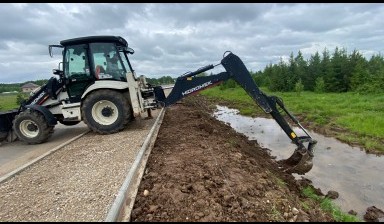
x: 99, y: 69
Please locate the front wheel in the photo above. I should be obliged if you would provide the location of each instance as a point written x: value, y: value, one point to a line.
x: 31, y: 126
x: 106, y: 111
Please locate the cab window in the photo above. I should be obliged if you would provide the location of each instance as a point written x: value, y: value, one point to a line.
x: 107, y: 62
x: 76, y: 62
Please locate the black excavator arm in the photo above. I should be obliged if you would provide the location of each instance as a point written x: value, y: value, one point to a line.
x: 300, y: 161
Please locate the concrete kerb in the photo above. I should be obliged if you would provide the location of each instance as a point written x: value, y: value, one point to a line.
x: 18, y: 170
x: 122, y: 206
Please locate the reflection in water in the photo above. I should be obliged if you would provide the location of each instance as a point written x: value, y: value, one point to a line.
x: 357, y: 176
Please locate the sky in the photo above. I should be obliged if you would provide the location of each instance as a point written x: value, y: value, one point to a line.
x: 174, y: 38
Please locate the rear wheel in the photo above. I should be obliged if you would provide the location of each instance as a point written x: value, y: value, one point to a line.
x: 30, y: 126
x: 106, y: 111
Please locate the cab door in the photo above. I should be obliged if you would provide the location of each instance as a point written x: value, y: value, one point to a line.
x: 77, y: 71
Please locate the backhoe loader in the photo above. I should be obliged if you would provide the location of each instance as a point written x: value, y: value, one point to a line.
x: 97, y: 84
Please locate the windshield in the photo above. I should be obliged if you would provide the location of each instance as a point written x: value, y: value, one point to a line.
x: 125, y: 61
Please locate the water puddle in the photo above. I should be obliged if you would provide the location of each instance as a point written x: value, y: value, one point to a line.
x: 357, y: 176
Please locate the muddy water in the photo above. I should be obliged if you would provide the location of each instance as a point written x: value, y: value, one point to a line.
x: 357, y: 176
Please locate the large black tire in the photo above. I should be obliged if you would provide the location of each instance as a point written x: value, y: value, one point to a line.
x: 69, y: 123
x: 31, y: 126
x: 106, y: 111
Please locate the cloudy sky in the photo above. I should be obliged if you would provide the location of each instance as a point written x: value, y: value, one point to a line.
x: 171, y: 39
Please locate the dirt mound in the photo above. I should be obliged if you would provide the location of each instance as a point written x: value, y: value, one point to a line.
x: 202, y: 170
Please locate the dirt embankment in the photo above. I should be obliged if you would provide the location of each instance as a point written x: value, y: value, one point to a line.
x: 202, y: 170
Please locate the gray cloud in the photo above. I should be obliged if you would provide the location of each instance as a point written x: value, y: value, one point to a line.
x: 171, y: 39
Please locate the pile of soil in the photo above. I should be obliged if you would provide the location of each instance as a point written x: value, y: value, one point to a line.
x: 200, y: 169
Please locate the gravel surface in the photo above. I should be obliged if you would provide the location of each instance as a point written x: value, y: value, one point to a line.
x: 78, y: 182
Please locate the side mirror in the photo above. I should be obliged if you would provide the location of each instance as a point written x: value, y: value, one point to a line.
x: 50, y: 48
x: 129, y: 50
x: 57, y: 72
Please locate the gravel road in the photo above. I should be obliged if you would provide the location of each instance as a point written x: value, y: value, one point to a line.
x: 78, y: 182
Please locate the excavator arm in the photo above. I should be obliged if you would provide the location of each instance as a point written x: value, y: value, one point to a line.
x: 300, y: 161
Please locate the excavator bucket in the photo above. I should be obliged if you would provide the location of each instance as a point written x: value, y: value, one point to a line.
x: 300, y: 161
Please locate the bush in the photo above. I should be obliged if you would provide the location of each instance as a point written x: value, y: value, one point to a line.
x: 21, y: 97
x: 319, y: 85
x: 228, y: 84
x: 299, y: 87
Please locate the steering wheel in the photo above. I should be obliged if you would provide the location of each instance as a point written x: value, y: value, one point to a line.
x: 76, y: 76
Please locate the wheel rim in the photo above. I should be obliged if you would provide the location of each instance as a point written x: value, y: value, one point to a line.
x: 105, y: 112
x: 29, y: 128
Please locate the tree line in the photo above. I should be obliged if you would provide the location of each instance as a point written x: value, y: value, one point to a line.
x: 161, y: 81
x: 322, y: 72
x: 4, y: 87
x: 325, y: 72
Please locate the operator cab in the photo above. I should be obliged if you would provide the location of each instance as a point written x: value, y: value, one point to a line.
x: 93, y: 58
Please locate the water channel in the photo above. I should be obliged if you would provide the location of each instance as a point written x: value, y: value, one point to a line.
x: 356, y: 175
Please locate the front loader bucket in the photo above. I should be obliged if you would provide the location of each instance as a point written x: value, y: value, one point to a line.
x: 6, y: 119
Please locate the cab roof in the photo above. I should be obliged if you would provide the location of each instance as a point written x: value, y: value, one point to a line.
x: 89, y: 39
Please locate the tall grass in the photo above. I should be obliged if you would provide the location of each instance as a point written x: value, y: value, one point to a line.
x: 327, y: 205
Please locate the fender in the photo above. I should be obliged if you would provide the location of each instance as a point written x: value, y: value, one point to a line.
x: 105, y: 85
x: 47, y: 114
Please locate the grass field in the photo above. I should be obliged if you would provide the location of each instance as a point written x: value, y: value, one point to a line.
x: 361, y: 115
x: 8, y: 101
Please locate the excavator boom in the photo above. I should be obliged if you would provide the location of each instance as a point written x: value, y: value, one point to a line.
x: 300, y: 161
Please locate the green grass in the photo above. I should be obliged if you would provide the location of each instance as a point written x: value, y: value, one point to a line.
x: 327, y: 205
x: 361, y: 116
x: 8, y: 101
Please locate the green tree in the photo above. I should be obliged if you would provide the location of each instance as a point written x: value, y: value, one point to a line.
x: 161, y: 81
x: 355, y: 62
x: 338, y: 79
x: 360, y: 74
x: 260, y: 79
x: 292, y: 76
x: 40, y: 82
x: 302, y: 70
x: 314, y: 71
x: 277, y: 76
x: 327, y: 71
x: 376, y: 70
